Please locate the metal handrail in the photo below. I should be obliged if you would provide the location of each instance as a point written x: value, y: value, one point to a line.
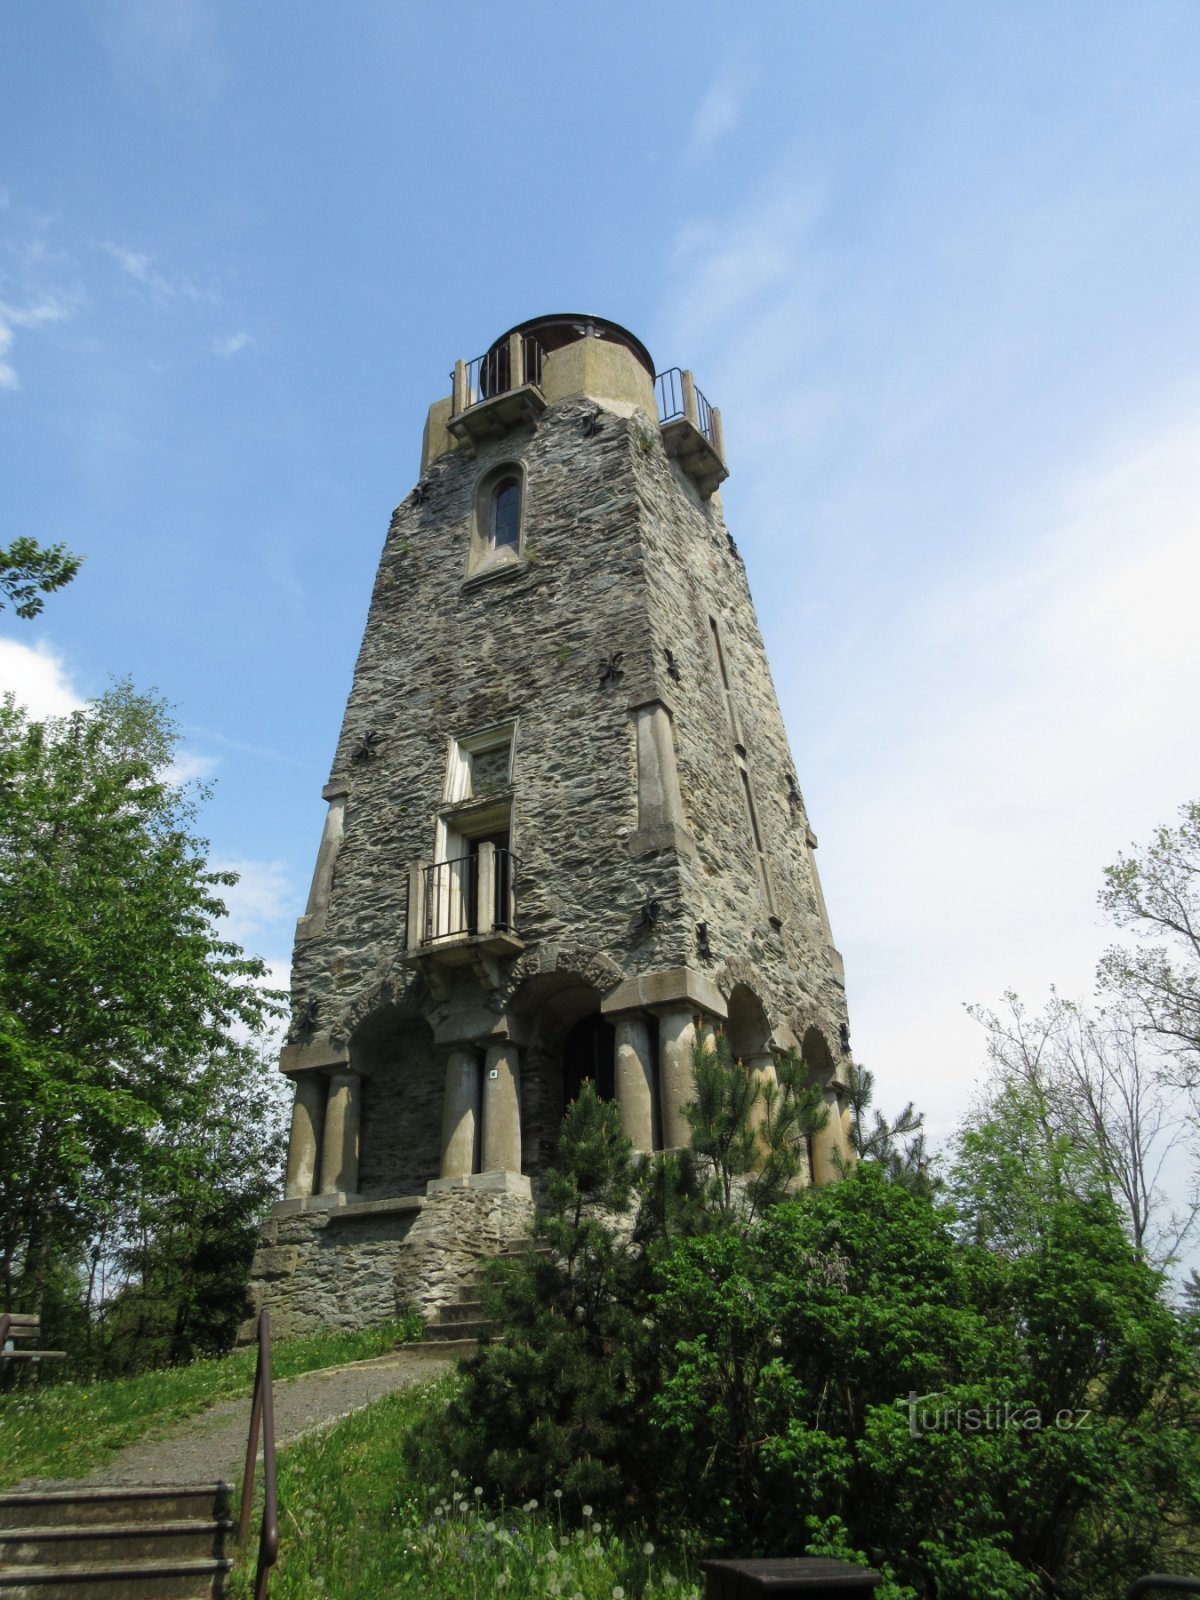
x: 668, y: 387
x: 1161, y: 1580
x: 491, y: 373
x: 262, y: 1411
x: 452, y: 897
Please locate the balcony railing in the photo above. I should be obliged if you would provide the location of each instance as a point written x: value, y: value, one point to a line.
x: 678, y: 397
x: 691, y: 429
x: 504, y: 367
x: 470, y: 897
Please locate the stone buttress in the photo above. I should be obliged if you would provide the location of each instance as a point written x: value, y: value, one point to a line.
x: 564, y: 838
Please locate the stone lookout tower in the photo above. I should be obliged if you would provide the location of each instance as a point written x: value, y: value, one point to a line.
x: 564, y: 831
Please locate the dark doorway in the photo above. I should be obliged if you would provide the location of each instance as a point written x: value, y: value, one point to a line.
x: 588, y: 1052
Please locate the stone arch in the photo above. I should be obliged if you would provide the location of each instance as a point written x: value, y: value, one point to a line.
x: 401, y: 990
x: 817, y: 1055
x: 748, y: 1027
x: 580, y: 962
x: 392, y: 1050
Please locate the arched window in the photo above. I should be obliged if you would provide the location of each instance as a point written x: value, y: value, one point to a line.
x: 504, y: 514
x: 496, y: 527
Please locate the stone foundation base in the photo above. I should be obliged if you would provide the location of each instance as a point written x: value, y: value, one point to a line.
x: 349, y: 1265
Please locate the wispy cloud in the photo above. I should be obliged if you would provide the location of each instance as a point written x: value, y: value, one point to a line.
x: 1003, y: 740
x: 261, y: 899
x: 167, y: 51
x: 718, y: 112
x: 265, y: 752
x: 165, y: 288
x: 33, y: 314
x: 232, y: 343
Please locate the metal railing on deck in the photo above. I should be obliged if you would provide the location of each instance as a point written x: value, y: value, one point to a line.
x: 452, y: 907
x: 671, y: 390
x: 492, y: 373
x: 262, y: 1411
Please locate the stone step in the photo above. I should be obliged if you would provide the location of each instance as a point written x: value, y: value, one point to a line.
x: 118, y: 1580
x: 51, y: 1508
x: 463, y: 1311
x: 441, y: 1348
x: 452, y: 1332
x: 83, y: 1543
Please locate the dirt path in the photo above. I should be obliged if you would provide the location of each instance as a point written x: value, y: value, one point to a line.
x: 212, y: 1445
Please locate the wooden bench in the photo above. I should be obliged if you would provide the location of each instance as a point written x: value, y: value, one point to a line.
x: 20, y: 1325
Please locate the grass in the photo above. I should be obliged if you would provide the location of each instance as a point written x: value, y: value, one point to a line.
x: 354, y: 1523
x: 66, y: 1429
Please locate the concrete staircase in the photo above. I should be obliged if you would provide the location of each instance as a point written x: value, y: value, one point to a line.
x: 459, y: 1326
x: 115, y: 1543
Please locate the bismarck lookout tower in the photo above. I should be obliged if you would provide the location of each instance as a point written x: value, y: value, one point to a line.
x: 565, y: 837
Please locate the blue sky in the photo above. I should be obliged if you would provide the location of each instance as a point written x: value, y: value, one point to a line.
x: 938, y: 264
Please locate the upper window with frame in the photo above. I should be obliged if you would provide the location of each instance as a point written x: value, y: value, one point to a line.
x: 497, y: 525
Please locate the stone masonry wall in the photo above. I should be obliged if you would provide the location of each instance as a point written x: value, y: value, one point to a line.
x: 694, y: 574
x: 443, y: 657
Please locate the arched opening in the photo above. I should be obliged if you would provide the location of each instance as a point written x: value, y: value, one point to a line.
x: 401, y: 1127
x: 817, y: 1057
x: 748, y: 1030
x: 588, y: 1055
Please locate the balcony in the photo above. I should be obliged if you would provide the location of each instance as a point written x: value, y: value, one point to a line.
x: 461, y: 910
x: 691, y: 430
x: 497, y: 390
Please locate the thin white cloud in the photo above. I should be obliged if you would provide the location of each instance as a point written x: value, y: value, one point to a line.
x: 717, y: 114
x: 163, y: 287
x: 166, y: 51
x: 189, y: 766
x: 261, y: 899
x: 232, y: 343
x: 39, y: 678
x: 36, y: 313
x: 1000, y: 744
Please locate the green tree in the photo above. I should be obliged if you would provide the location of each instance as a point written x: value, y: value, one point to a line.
x: 1092, y: 1087
x: 1155, y: 892
x: 117, y: 991
x: 28, y: 571
x: 750, y: 1134
x: 898, y: 1144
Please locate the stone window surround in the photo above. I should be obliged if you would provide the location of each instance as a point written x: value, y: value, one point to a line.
x: 483, y: 557
x: 458, y: 786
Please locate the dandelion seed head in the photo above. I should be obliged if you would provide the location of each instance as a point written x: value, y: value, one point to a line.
x: 648, y: 1548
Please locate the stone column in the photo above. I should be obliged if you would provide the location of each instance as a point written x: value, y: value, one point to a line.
x: 339, y: 1153
x: 635, y: 1080
x: 304, y: 1143
x: 761, y: 1068
x: 659, y: 800
x: 677, y: 1084
x: 830, y: 1142
x: 502, y: 1108
x: 331, y: 843
x: 460, y: 1115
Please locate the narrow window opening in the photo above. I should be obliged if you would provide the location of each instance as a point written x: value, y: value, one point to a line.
x: 506, y: 515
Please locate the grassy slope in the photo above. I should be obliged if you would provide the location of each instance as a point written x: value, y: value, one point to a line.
x: 354, y: 1523
x: 64, y: 1430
